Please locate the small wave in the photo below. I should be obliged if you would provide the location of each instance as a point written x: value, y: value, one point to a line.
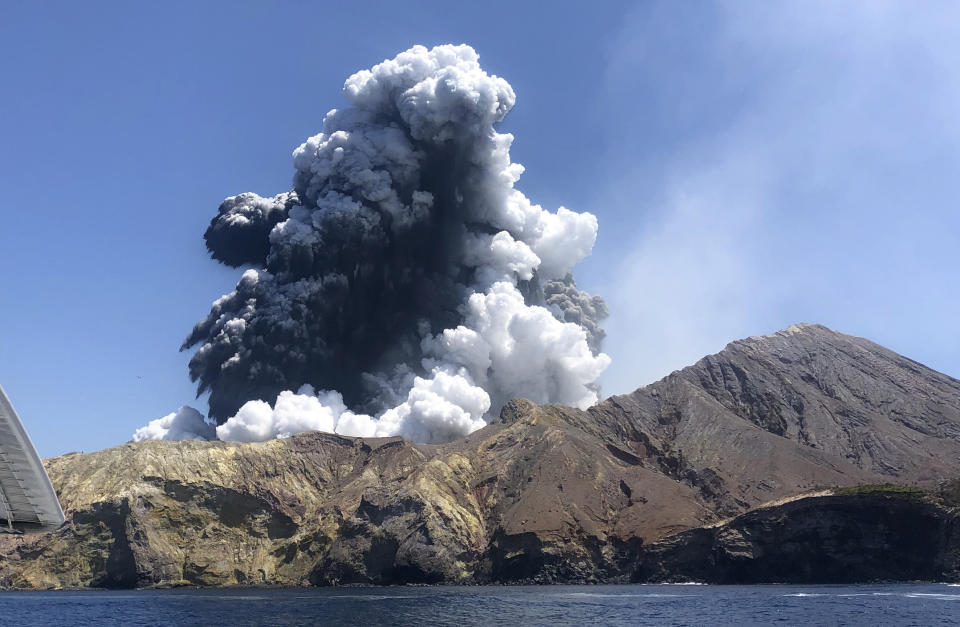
x: 805, y: 594
x: 932, y: 595
x: 647, y: 595
x: 684, y: 583
x: 222, y: 597
x: 362, y: 597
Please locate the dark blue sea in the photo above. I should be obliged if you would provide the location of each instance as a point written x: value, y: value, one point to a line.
x: 874, y: 605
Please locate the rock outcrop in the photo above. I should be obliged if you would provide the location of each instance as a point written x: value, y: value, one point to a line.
x: 639, y: 487
x: 875, y: 534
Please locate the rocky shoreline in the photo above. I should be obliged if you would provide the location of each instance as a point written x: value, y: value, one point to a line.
x: 877, y: 534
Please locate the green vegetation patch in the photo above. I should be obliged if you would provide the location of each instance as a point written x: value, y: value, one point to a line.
x: 882, y: 489
x: 949, y: 493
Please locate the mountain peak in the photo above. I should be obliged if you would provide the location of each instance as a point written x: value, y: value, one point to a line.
x: 837, y: 395
x: 801, y: 329
x: 806, y: 327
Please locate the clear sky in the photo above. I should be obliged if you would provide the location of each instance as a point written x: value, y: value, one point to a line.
x: 752, y: 165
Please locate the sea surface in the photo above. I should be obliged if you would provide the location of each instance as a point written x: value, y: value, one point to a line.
x: 679, y: 604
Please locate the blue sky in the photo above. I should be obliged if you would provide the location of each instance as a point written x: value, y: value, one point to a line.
x: 752, y: 165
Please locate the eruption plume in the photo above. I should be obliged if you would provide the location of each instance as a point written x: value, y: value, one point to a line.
x: 184, y: 424
x: 404, y: 277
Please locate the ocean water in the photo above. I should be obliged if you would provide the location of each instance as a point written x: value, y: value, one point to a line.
x: 874, y: 605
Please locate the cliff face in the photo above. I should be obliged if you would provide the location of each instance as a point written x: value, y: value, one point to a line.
x: 626, y: 490
x: 834, y: 538
x: 534, y: 497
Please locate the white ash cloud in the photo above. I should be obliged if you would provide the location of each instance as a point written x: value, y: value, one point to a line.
x: 184, y: 424
x: 404, y: 276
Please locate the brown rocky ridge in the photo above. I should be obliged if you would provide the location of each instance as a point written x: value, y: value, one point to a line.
x: 738, y: 468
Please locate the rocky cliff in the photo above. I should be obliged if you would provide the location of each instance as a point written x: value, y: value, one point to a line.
x: 654, y: 485
x: 870, y: 533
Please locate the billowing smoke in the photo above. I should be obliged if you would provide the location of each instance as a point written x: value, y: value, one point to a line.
x: 404, y: 277
x: 184, y: 424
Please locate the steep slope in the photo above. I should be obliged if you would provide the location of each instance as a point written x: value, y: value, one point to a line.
x: 778, y: 414
x: 544, y: 494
